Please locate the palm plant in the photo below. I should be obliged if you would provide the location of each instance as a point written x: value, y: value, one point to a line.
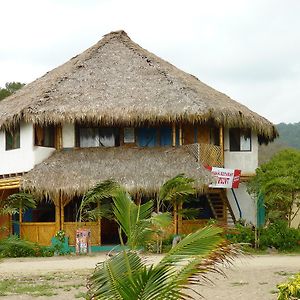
x: 17, y: 201
x: 126, y: 276
x: 174, y: 193
x: 136, y: 221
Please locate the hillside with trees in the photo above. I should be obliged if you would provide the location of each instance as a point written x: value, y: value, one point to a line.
x: 289, y: 137
x: 10, y: 88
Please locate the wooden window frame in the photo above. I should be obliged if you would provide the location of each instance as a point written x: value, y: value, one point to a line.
x: 15, y: 135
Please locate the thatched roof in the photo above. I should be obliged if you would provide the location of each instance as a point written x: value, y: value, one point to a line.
x: 118, y: 82
x: 139, y: 170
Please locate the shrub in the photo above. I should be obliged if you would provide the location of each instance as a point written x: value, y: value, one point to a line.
x: 289, y: 290
x: 13, y: 246
x: 241, y: 234
x: 279, y: 236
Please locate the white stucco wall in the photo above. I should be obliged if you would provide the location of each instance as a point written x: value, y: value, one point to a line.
x: 68, y: 135
x: 247, y: 161
x: 247, y: 204
x: 24, y: 158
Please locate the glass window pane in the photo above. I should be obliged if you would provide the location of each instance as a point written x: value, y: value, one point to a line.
x: 12, y: 138
x: 166, y: 136
x: 246, y: 140
x: 234, y: 139
x: 129, y: 135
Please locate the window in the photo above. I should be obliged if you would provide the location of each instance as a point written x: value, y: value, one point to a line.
x: 88, y: 136
x: 44, y: 136
x: 12, y: 138
x: 129, y: 137
x: 44, y: 212
x: 240, y: 139
x: 215, y: 136
x: 152, y: 136
x: 147, y: 136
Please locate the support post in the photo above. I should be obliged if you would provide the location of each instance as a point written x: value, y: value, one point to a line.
x: 222, y: 144
x: 62, y: 214
x: 57, y: 203
x: 175, y: 218
x: 58, y: 140
x: 20, y: 221
x: 180, y: 135
x: 180, y: 218
x: 173, y: 134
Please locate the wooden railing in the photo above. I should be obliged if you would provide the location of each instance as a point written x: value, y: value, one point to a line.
x: 38, y: 232
x: 70, y: 229
x: 207, y: 154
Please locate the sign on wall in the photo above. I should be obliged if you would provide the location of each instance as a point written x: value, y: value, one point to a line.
x: 225, y: 178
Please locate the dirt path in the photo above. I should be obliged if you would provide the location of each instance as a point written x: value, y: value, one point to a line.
x: 252, y: 278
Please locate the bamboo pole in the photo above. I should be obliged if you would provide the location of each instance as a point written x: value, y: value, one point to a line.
x: 20, y: 221
x: 180, y: 218
x: 99, y: 224
x: 180, y: 135
x: 57, y: 203
x: 222, y: 144
x: 175, y: 217
x: 58, y: 140
x: 62, y: 215
x: 173, y: 134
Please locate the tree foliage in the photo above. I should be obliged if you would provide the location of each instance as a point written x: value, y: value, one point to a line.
x: 126, y: 276
x: 10, y: 88
x: 137, y: 221
x: 17, y: 201
x: 279, y: 182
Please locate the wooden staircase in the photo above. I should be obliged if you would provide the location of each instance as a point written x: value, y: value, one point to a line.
x: 220, y: 206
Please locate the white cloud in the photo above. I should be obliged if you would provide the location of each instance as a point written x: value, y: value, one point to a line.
x: 247, y: 49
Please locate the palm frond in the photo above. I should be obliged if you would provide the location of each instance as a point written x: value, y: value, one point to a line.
x: 102, y: 191
x: 110, y: 276
x: 17, y: 201
x: 176, y: 188
x: 199, y: 243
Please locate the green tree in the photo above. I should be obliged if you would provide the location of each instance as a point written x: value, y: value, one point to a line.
x: 279, y: 182
x: 173, y: 193
x: 10, y: 88
x: 17, y: 201
x: 125, y: 276
x: 136, y: 221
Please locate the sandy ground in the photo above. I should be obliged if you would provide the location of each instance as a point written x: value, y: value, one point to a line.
x: 252, y: 278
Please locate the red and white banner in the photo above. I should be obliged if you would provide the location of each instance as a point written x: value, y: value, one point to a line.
x: 225, y: 178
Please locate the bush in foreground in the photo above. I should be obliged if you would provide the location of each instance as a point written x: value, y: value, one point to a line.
x: 13, y: 246
x: 290, y: 290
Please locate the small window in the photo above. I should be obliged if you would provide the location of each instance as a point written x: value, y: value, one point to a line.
x: 240, y: 139
x: 97, y: 137
x: 129, y: 135
x: 44, y: 136
x: 12, y: 138
x: 214, y: 136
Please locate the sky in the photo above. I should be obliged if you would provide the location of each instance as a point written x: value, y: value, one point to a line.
x: 247, y: 49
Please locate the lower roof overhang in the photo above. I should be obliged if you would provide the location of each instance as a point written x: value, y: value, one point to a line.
x: 68, y: 173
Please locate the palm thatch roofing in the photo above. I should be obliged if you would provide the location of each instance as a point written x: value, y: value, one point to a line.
x: 117, y: 82
x: 139, y: 170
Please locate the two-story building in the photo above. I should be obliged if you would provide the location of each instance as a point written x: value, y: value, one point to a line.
x: 118, y: 111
